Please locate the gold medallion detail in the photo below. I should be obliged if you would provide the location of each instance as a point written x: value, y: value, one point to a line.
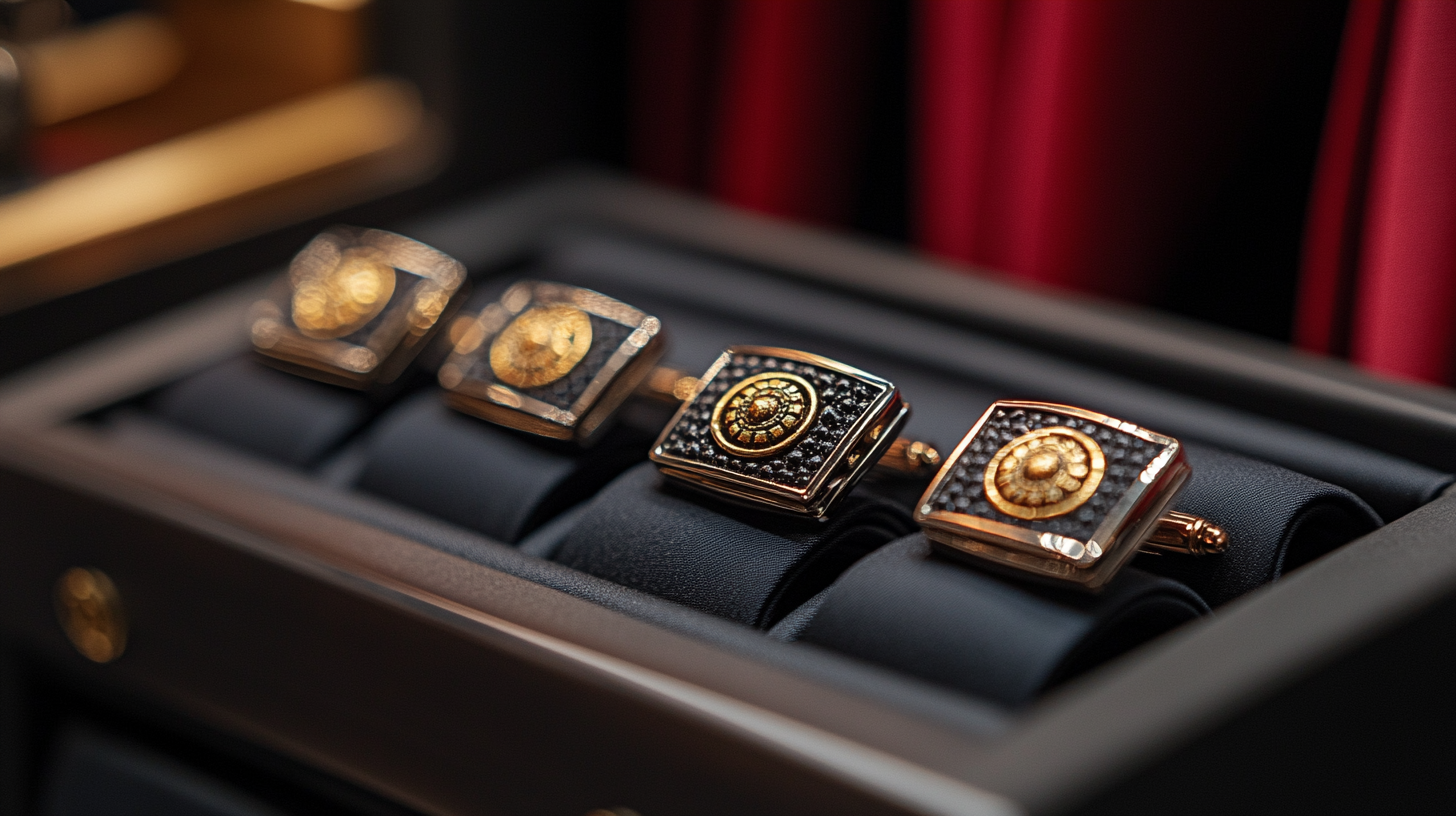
x: 1045, y: 473
x: 345, y: 297
x: 542, y: 345
x: 764, y: 413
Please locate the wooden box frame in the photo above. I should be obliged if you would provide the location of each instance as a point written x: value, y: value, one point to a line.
x: 454, y: 688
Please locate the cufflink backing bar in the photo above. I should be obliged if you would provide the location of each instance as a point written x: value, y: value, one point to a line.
x: 1062, y: 493
x: 356, y: 306
x: 550, y: 359
x: 780, y: 428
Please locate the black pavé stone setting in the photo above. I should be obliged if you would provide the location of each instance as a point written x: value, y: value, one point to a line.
x: 843, y: 400
x: 964, y: 492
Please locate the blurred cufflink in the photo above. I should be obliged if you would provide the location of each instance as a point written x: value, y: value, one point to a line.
x: 355, y: 306
x: 781, y: 428
x: 1063, y: 494
x: 550, y: 359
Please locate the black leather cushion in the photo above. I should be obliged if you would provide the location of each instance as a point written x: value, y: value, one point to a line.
x: 268, y: 413
x: 498, y: 482
x: 1276, y: 519
x: 911, y: 610
x: 739, y: 563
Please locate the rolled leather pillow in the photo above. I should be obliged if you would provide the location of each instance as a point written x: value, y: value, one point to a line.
x: 909, y: 609
x: 748, y: 565
x: 1276, y: 520
x: 498, y: 482
x: 246, y: 405
x: 1007, y: 639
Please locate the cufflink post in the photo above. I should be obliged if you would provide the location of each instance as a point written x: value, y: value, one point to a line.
x: 1186, y: 534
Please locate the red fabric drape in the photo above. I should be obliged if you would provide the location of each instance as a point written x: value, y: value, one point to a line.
x: 792, y: 97
x: 1078, y: 144
x: 1337, y: 202
x: 1405, y: 311
x: 1103, y: 131
x: 673, y: 53
x: 1380, y: 253
x: 958, y: 62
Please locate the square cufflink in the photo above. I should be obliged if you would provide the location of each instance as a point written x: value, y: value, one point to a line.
x: 781, y: 428
x: 550, y: 359
x: 1061, y: 493
x: 355, y: 306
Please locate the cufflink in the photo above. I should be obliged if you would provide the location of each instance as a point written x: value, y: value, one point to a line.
x: 1062, y: 493
x: 550, y: 359
x: 355, y: 307
x: 780, y: 428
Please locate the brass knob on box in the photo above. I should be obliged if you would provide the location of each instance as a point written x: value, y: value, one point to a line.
x: 89, y: 610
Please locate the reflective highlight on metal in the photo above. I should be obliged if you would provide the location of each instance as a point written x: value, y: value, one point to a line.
x: 1187, y: 534
x: 669, y: 385
x: 910, y: 459
x: 356, y: 306
x: 551, y: 359
x: 89, y: 610
x: 1061, y: 493
x: 782, y: 429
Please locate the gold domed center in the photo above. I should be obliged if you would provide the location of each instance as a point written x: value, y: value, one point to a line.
x: 764, y: 413
x: 762, y: 408
x: 1041, y: 465
x: 344, y: 298
x: 542, y: 345
x: 1046, y: 473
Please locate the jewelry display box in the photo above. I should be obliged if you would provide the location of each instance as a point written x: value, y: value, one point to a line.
x: 275, y: 610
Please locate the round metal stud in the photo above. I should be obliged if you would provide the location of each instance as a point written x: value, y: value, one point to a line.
x: 90, y: 612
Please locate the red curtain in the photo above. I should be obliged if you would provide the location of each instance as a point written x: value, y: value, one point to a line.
x: 1078, y: 144
x: 674, y: 53
x: 1074, y: 143
x: 958, y: 66
x: 1070, y: 143
x: 760, y: 102
x: 1379, y: 271
x: 793, y: 95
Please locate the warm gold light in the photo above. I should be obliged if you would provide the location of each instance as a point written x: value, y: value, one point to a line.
x: 90, y: 613
x: 683, y: 388
x: 335, y: 5
x: 206, y: 167
x: 100, y: 65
